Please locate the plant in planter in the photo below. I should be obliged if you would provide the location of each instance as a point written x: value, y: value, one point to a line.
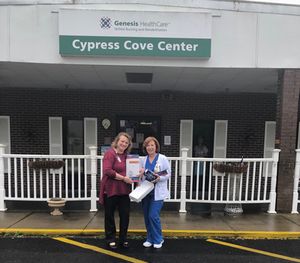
x: 233, y: 170
x: 46, y: 164
x: 231, y: 167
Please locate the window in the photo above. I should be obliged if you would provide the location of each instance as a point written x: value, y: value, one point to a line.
x: 74, y: 137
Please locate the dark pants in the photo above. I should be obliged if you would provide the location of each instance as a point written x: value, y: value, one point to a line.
x: 122, y: 202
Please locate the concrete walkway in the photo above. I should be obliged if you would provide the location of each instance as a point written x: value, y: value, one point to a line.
x: 259, y: 225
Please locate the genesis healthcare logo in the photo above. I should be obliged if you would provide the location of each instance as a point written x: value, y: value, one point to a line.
x: 132, y: 25
x: 105, y: 22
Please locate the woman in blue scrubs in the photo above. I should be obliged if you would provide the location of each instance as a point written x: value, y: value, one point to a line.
x: 153, y: 202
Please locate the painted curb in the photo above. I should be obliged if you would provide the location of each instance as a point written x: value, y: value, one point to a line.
x: 166, y: 233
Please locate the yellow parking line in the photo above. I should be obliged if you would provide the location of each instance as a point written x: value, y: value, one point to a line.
x: 98, y: 249
x: 241, y: 234
x: 253, y: 250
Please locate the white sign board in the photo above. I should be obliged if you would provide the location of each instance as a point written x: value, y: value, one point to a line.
x: 134, y: 33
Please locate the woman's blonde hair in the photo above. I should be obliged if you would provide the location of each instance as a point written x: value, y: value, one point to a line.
x: 149, y: 139
x: 116, y: 140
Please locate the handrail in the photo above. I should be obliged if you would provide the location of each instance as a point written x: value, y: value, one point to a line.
x: 193, y: 180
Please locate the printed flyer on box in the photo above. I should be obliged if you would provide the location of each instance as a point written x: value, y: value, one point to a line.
x: 133, y: 167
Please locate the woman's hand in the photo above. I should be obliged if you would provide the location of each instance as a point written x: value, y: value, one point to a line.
x: 123, y: 178
x: 127, y: 180
x: 141, y: 173
x: 156, y: 180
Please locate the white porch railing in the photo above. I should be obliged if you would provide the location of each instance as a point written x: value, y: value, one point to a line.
x: 193, y: 180
x: 200, y: 183
x: 76, y: 181
x: 296, y: 188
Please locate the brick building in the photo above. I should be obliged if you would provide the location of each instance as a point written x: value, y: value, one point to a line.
x: 240, y: 93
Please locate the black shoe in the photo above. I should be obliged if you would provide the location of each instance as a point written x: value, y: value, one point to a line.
x: 125, y: 244
x: 112, y: 245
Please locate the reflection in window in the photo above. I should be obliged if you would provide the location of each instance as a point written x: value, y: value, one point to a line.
x: 75, y: 137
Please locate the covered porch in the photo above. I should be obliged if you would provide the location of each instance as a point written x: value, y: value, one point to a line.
x: 193, y: 180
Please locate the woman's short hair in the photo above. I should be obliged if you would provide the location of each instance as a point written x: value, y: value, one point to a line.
x: 116, y: 140
x: 146, y: 142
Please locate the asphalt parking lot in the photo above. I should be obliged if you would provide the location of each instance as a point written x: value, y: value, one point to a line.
x: 91, y: 249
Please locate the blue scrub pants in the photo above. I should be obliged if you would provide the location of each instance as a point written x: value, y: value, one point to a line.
x: 151, y: 210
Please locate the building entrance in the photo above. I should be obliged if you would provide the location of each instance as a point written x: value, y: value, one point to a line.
x: 139, y: 128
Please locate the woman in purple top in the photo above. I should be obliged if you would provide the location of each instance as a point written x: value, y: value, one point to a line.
x: 115, y: 189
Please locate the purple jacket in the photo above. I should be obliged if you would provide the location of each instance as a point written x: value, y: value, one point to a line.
x: 113, y: 163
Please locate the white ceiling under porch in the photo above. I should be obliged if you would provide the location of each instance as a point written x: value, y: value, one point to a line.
x: 203, y: 80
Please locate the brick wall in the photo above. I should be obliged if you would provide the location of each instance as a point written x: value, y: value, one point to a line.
x: 286, y: 134
x: 29, y: 110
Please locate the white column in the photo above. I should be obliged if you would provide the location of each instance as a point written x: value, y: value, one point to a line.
x: 275, y: 157
x: 184, y: 152
x: 93, y: 150
x: 296, y: 183
x: 2, y: 187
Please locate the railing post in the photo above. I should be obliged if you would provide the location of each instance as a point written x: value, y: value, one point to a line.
x: 275, y: 157
x: 183, y: 181
x: 2, y: 187
x: 296, y: 183
x: 93, y: 150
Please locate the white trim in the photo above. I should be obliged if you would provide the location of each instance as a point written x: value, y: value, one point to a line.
x: 190, y: 146
x: 270, y: 129
x: 50, y: 135
x: 8, y: 142
x: 267, y: 134
x: 224, y: 148
x: 86, y: 145
x: 268, y: 125
x: 298, y: 139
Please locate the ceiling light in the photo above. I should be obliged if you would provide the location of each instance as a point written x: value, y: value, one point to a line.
x: 144, y: 78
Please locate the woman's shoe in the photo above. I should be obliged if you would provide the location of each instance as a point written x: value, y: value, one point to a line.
x: 125, y: 244
x: 147, y: 244
x: 112, y: 245
x: 158, y: 245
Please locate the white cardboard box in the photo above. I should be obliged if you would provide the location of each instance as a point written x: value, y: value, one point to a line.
x: 141, y: 191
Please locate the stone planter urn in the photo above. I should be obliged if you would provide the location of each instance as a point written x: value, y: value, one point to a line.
x: 235, y: 208
x: 57, y: 204
x: 234, y: 172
